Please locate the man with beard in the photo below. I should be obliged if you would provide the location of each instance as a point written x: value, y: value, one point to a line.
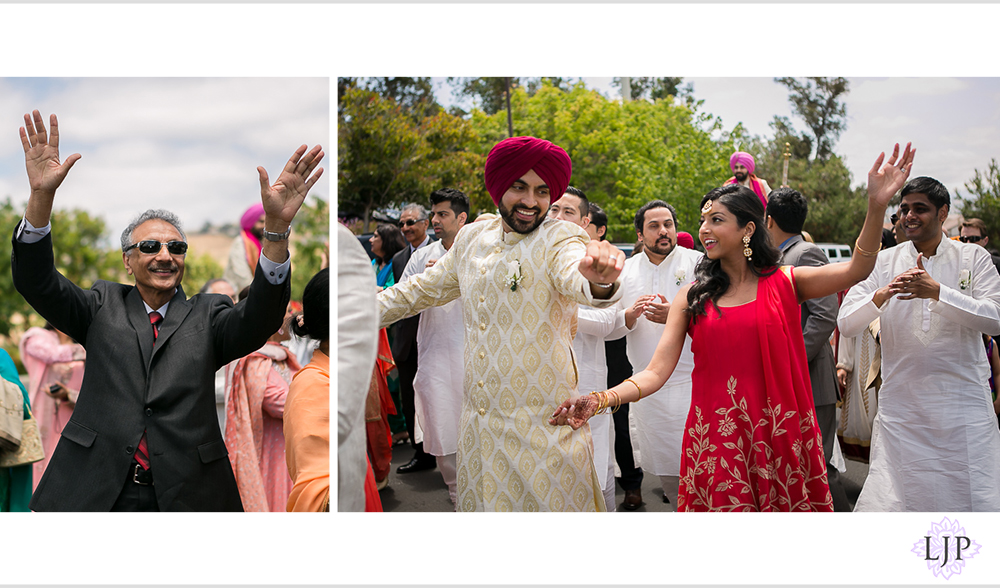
x: 650, y: 281
x: 520, y: 277
x: 144, y: 434
x: 588, y: 348
x: 935, y: 445
x: 245, y: 251
x: 742, y: 164
x: 437, y: 386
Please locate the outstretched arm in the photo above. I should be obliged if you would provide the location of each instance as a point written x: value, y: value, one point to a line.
x: 283, y: 199
x: 575, y: 411
x: 45, y: 172
x: 883, y: 183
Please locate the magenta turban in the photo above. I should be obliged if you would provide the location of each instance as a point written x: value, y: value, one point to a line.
x: 685, y: 240
x: 511, y: 158
x: 742, y: 157
x: 249, y: 218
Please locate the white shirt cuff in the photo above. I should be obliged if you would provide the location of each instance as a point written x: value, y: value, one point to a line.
x: 26, y: 233
x: 276, y: 273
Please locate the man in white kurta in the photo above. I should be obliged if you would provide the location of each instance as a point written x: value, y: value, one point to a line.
x: 520, y: 278
x: 650, y: 282
x: 935, y: 444
x: 437, y: 385
x: 588, y: 349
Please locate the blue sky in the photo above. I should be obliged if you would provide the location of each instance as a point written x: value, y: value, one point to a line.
x: 190, y: 145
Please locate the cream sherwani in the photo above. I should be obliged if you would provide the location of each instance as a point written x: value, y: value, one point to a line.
x: 518, y: 363
x: 440, y: 368
x: 935, y: 443
x: 593, y: 325
x: 658, y: 419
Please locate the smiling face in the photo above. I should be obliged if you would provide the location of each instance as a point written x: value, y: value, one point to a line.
x: 416, y: 232
x: 921, y: 220
x: 156, y: 275
x: 720, y: 232
x: 659, y: 234
x: 523, y: 205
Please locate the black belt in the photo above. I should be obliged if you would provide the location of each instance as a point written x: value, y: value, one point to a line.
x: 141, y: 476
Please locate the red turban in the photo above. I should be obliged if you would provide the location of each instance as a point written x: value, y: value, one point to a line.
x: 685, y: 240
x: 511, y: 158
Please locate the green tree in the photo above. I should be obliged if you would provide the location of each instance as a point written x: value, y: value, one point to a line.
x: 487, y: 94
x: 655, y: 88
x: 310, y: 242
x: 623, y: 155
x: 416, y: 95
x: 819, y: 102
x: 385, y: 156
x: 983, y: 200
x: 198, y: 269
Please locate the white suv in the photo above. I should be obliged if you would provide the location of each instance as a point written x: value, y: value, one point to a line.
x: 836, y: 252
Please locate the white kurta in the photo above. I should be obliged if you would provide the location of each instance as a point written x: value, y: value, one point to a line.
x: 935, y: 443
x: 593, y: 326
x: 437, y: 386
x: 658, y: 419
x: 861, y: 357
x: 518, y: 363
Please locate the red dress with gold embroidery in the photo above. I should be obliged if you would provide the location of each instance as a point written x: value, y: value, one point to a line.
x: 751, y: 442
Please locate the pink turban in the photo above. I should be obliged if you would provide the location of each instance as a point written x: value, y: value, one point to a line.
x: 511, y: 158
x: 250, y: 217
x: 742, y: 157
x: 685, y: 240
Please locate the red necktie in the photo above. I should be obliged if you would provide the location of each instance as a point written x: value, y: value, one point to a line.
x: 142, y: 451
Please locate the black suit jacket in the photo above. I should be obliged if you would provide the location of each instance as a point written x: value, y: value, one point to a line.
x: 404, y: 338
x: 819, y: 319
x: 130, y: 385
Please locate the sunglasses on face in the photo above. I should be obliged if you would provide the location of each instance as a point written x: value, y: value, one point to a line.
x: 970, y: 239
x: 410, y: 222
x: 153, y: 247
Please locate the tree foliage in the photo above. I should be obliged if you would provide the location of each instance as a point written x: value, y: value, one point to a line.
x: 819, y: 102
x: 654, y: 89
x: 623, y: 155
x: 386, y: 156
x: 983, y: 200
x: 310, y: 243
x: 487, y: 94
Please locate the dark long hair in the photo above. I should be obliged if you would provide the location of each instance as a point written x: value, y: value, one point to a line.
x: 315, y: 308
x: 710, y: 281
x: 393, y: 241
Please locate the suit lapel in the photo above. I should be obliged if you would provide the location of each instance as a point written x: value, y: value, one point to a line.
x: 137, y: 317
x: 176, y: 313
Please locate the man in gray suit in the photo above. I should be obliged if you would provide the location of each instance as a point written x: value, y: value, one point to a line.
x: 144, y: 435
x: 786, y: 213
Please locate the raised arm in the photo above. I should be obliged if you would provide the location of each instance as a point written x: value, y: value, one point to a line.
x: 883, y: 183
x: 45, y: 172
x: 283, y: 199
x: 575, y: 411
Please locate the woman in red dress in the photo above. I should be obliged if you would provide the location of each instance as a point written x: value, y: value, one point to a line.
x: 751, y: 442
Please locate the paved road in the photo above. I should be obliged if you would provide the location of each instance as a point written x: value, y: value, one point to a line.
x: 425, y: 491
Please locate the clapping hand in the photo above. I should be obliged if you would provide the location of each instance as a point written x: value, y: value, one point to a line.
x: 915, y: 283
x: 41, y: 154
x: 885, y: 182
x: 284, y: 198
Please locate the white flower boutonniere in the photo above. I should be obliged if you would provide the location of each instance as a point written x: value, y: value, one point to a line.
x: 514, y: 275
x: 680, y: 276
x: 964, y: 279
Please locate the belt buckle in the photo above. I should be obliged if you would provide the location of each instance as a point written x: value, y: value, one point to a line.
x: 135, y: 476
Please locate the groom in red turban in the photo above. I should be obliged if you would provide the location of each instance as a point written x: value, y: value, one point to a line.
x: 520, y: 279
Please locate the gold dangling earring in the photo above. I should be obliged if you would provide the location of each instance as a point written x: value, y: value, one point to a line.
x: 746, y: 247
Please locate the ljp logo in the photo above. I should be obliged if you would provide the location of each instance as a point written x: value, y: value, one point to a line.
x: 946, y: 547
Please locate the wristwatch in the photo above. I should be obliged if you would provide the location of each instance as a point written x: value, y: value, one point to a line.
x: 277, y: 236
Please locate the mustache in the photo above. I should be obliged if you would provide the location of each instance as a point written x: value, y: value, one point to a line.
x: 153, y: 267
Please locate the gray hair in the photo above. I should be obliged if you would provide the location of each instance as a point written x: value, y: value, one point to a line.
x: 420, y: 210
x: 163, y: 215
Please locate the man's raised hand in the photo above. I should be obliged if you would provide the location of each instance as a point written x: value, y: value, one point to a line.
x: 41, y: 154
x: 284, y: 198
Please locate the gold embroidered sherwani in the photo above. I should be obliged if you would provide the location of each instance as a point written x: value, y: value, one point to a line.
x: 519, y: 363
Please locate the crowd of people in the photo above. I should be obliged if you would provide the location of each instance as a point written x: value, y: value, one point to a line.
x: 530, y: 336
x: 142, y: 399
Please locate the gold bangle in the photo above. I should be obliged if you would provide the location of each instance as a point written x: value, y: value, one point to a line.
x: 618, y: 402
x: 862, y: 252
x: 636, y: 387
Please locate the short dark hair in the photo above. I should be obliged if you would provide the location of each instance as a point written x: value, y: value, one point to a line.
x: 788, y: 208
x: 584, y: 202
x: 933, y: 189
x: 640, y: 216
x: 315, y: 308
x: 599, y: 218
x: 458, y: 200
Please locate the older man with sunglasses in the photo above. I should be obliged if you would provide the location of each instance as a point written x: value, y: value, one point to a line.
x: 144, y: 435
